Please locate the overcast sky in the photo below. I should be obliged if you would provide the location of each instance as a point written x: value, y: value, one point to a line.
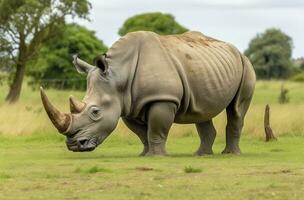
x: 234, y: 21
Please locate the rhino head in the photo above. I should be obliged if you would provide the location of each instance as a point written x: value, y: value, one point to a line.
x: 93, y: 119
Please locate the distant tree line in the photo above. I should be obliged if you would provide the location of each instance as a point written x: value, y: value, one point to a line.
x: 36, y: 41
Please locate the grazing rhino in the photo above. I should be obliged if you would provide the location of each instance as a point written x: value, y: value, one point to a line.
x: 153, y: 81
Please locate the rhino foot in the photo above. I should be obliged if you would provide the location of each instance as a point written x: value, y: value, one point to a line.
x: 202, y: 152
x: 232, y: 150
x: 157, y: 149
x: 145, y: 151
x: 156, y: 152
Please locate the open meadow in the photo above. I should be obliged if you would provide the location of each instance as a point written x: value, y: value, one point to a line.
x: 35, y: 164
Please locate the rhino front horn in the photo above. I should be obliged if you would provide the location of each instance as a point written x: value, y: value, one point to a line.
x: 76, y: 106
x: 60, y: 120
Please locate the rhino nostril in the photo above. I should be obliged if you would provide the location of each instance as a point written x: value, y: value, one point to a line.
x: 83, y: 141
x: 78, y: 145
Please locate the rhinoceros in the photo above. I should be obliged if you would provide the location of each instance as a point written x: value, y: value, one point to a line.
x: 152, y: 81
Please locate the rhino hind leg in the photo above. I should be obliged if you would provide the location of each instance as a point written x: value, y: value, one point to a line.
x: 237, y: 109
x: 141, y: 131
x: 160, y: 119
x: 235, y: 122
x: 207, y: 133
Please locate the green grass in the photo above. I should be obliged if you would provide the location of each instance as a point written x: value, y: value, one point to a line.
x: 35, y: 163
x: 44, y: 169
x: 269, y: 91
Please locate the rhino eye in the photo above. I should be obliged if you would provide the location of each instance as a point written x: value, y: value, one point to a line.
x: 95, y: 113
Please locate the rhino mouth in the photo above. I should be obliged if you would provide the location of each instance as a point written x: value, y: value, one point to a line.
x: 81, y: 144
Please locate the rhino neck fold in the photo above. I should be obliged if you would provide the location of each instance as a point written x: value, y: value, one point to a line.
x: 122, y: 59
x: 126, y: 94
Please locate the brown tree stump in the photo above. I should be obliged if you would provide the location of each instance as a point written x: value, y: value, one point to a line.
x: 268, y: 131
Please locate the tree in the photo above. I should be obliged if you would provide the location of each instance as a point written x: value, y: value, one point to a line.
x: 25, y: 25
x: 54, y: 67
x: 6, y: 46
x: 301, y: 63
x: 157, y: 22
x: 270, y: 53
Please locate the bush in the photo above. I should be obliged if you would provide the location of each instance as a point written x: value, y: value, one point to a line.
x: 298, y: 77
x: 54, y: 67
x: 283, y: 98
x: 3, y: 78
x: 92, y: 170
x: 190, y: 169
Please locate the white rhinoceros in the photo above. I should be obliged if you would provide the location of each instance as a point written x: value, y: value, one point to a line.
x: 153, y: 81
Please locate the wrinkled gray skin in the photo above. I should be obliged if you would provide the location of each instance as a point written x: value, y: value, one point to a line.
x: 153, y: 81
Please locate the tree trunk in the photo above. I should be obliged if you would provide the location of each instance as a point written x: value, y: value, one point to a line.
x: 15, y: 88
x: 268, y: 131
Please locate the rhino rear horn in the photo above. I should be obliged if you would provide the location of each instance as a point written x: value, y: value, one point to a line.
x: 60, y: 120
x: 76, y: 106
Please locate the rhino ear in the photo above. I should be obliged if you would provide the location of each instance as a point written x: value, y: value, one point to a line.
x: 100, y: 62
x: 81, y: 66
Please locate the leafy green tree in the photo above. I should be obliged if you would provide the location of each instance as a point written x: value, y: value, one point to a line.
x: 302, y: 66
x: 25, y: 25
x: 54, y: 67
x: 6, y: 44
x: 157, y: 22
x: 270, y: 53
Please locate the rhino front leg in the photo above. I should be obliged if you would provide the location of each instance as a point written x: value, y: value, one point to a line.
x: 141, y: 131
x: 160, y: 118
x: 207, y: 133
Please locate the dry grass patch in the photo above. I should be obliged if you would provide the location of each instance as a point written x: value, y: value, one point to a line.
x: 28, y: 117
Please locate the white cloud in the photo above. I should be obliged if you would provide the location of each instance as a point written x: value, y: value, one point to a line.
x: 235, y: 21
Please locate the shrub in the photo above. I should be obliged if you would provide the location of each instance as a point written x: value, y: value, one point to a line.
x: 92, y: 170
x: 298, y: 77
x: 283, y: 98
x: 190, y: 169
x: 3, y: 78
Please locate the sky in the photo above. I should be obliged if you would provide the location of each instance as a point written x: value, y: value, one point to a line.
x: 234, y: 21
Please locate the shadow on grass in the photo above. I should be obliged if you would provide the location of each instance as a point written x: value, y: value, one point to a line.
x: 92, y: 170
x: 88, y: 156
x: 100, y: 156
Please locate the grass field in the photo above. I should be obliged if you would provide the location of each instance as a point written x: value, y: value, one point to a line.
x: 35, y: 164
x: 35, y: 168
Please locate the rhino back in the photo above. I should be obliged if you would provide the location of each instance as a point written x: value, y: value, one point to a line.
x: 211, y: 72
x: 198, y: 73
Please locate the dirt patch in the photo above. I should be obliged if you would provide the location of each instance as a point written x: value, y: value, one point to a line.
x: 277, y: 150
x: 283, y: 171
x: 144, y: 168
